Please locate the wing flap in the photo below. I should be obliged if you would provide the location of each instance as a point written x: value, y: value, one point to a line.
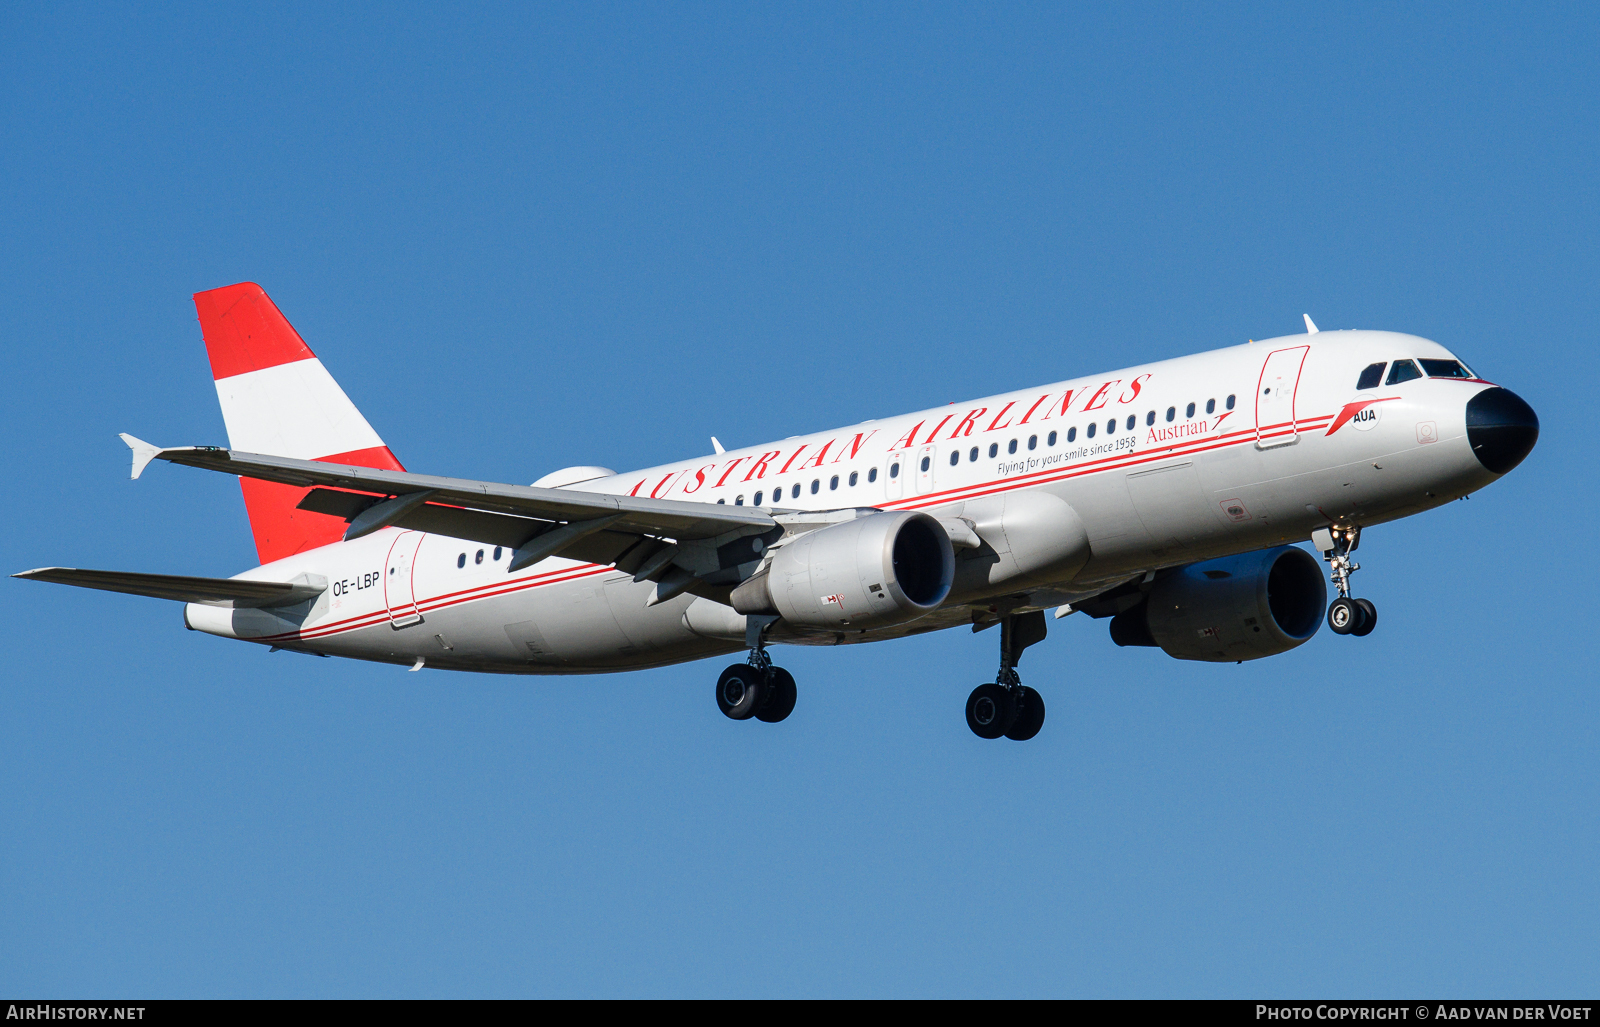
x: 224, y: 592
x: 494, y: 529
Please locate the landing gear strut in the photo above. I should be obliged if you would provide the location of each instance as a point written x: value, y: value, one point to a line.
x: 1346, y: 616
x: 1008, y: 707
x: 756, y: 688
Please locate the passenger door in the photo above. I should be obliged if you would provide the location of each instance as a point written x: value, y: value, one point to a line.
x: 399, y: 580
x: 1275, y: 392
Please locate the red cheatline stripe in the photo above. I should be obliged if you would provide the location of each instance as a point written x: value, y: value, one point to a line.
x: 244, y: 331
x: 1111, y: 463
x: 531, y: 581
x: 374, y: 618
x: 1107, y: 463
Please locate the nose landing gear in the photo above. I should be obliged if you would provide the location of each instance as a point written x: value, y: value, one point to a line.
x: 1008, y: 707
x: 756, y: 688
x: 1346, y: 616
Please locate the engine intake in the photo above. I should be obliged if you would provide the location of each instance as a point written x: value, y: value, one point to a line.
x: 877, y: 570
x: 1236, y: 608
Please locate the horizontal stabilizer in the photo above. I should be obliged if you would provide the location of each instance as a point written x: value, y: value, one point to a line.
x: 225, y: 592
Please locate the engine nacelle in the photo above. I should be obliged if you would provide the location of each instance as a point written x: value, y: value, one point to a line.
x: 877, y: 570
x: 1236, y: 608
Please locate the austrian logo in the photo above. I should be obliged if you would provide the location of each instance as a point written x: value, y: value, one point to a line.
x: 1363, y: 414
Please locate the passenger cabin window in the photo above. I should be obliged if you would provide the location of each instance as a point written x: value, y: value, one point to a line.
x: 794, y: 493
x: 1150, y: 418
x: 479, y: 557
x: 1402, y: 371
x: 1172, y: 412
x: 894, y: 469
x: 497, y: 552
x: 757, y: 501
x: 1445, y: 369
x: 1211, y: 406
x: 816, y: 484
x: 738, y: 500
x: 1090, y: 430
x: 1372, y: 377
x: 1012, y: 448
x: 872, y: 475
x: 1050, y: 440
x: 955, y: 457
x: 1189, y: 412
x: 927, y: 462
x: 833, y: 483
x: 994, y: 450
x: 1033, y: 442
x: 1133, y: 419
x: 1230, y: 402
x: 972, y: 454
x: 1072, y: 433
x: 461, y: 561
x: 854, y: 476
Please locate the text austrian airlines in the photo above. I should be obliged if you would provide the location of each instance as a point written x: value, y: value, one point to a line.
x: 1166, y: 498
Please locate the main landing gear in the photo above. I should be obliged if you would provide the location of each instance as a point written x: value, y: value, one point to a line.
x: 757, y: 688
x: 1008, y: 707
x: 1346, y: 616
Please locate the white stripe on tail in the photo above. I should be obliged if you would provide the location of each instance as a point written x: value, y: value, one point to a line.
x: 279, y: 400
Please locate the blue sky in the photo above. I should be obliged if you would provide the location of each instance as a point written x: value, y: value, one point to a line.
x: 503, y: 226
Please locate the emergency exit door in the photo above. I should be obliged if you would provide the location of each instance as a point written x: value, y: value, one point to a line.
x: 925, y: 463
x: 894, y: 472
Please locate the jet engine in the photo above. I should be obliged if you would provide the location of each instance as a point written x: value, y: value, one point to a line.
x: 876, y: 570
x: 1236, y: 608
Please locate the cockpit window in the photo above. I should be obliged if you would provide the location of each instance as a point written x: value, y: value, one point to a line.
x: 1445, y: 369
x: 1372, y: 376
x: 1402, y: 371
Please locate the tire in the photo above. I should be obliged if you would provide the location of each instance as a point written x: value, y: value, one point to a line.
x: 1369, y: 618
x: 1030, y: 716
x: 740, y: 691
x: 780, y: 697
x: 1344, y: 616
x: 990, y: 711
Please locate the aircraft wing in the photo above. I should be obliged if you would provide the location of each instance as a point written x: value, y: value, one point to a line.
x: 538, y: 522
x: 227, y: 592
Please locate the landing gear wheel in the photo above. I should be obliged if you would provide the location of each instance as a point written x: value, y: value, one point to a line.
x: 1030, y: 715
x: 740, y: 690
x: 1369, y: 619
x: 780, y: 696
x: 991, y: 711
x: 1344, y: 616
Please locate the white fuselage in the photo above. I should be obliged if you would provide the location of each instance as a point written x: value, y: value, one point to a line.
x: 1164, y: 464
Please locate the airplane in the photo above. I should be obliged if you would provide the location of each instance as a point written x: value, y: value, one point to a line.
x: 1167, y: 498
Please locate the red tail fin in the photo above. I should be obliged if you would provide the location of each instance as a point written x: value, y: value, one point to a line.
x: 278, y: 399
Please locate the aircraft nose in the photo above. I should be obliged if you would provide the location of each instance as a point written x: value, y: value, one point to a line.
x: 1501, y: 428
